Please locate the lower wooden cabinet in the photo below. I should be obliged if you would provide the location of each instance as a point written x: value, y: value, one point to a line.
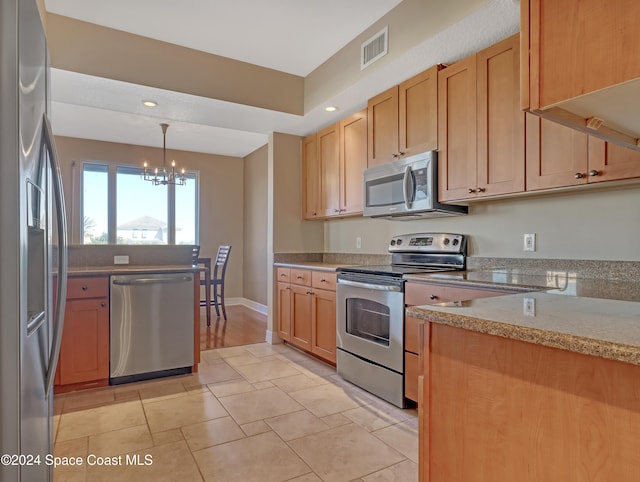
x: 84, y: 353
x: 307, y: 310
x: 499, y: 410
x: 428, y: 294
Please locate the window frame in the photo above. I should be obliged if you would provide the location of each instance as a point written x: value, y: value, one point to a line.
x: 112, y: 230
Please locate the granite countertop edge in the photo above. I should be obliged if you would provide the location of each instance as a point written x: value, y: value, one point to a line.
x: 314, y: 265
x: 578, y: 344
x: 126, y: 269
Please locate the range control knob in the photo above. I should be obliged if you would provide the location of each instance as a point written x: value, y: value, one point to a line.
x: 446, y: 241
x: 399, y: 242
x: 393, y: 242
x: 456, y: 241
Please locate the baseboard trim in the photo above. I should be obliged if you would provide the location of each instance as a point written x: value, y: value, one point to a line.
x: 252, y: 305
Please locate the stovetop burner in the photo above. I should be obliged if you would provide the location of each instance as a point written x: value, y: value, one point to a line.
x: 419, y: 253
x: 396, y: 271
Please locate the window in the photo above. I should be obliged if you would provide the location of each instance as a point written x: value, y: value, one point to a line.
x: 119, y: 207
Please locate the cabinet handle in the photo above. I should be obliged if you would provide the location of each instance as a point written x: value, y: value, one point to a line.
x: 471, y: 190
x: 309, y: 292
x: 395, y: 156
x: 283, y: 275
x: 299, y: 277
x: 579, y: 175
x: 314, y: 213
x: 481, y: 189
x: 84, y: 287
x: 594, y: 173
x: 336, y: 210
x: 288, y: 288
x: 323, y: 280
x: 103, y: 305
x: 433, y: 297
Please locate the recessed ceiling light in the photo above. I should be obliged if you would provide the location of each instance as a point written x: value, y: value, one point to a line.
x: 149, y: 103
x: 331, y: 108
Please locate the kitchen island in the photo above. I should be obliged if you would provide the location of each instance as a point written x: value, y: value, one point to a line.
x: 537, y: 386
x: 86, y: 345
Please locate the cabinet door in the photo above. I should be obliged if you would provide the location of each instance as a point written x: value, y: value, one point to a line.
x: 84, y: 353
x: 500, y: 122
x: 556, y: 155
x: 324, y: 324
x: 457, y: 130
x: 418, y: 113
x: 284, y: 311
x: 608, y: 162
x: 382, y: 114
x: 353, y: 161
x: 301, y: 317
x: 310, y: 178
x: 329, y: 159
x: 577, y: 46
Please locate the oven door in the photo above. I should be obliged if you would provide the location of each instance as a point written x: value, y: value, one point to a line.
x: 370, y: 320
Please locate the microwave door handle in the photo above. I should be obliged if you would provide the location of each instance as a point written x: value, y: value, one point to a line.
x: 56, y: 181
x: 408, y: 187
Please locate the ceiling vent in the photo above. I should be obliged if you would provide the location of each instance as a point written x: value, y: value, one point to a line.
x: 374, y: 48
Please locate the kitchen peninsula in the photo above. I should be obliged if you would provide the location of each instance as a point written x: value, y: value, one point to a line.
x: 532, y: 386
x: 88, y: 344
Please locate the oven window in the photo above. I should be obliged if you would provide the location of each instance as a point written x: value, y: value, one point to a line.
x: 368, y: 320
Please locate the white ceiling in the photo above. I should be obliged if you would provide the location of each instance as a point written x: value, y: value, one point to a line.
x: 294, y: 36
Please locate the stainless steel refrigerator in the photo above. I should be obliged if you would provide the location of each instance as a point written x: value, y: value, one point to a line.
x: 32, y: 247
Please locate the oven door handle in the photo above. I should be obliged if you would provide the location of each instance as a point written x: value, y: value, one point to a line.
x: 369, y: 286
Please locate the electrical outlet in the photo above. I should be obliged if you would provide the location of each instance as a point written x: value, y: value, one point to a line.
x: 121, y: 260
x: 358, y: 242
x: 530, y: 242
x: 529, y: 307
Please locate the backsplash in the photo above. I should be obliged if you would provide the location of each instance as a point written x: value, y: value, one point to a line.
x: 83, y: 256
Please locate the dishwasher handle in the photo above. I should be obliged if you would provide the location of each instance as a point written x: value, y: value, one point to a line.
x: 151, y: 281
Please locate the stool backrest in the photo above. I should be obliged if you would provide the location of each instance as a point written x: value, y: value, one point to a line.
x: 222, y: 258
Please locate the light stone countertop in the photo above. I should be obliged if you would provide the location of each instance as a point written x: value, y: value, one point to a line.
x: 128, y: 269
x: 315, y: 265
x: 588, y: 316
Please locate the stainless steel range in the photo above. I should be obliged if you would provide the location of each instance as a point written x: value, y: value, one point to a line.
x: 370, y: 310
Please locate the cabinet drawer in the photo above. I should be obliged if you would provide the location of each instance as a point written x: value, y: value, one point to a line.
x: 93, y: 287
x: 429, y: 294
x: 323, y: 280
x: 283, y: 274
x: 412, y: 334
x: 301, y: 277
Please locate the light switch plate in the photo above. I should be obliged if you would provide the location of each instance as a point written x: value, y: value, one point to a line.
x: 529, y: 307
x: 121, y: 260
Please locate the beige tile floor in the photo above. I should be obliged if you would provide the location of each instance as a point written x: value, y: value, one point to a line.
x: 253, y: 413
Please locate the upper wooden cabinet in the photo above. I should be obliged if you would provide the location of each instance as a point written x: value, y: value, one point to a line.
x: 333, y: 162
x: 558, y: 156
x: 403, y: 120
x: 329, y: 161
x: 353, y: 161
x: 310, y: 178
x: 480, y: 125
x: 580, y: 65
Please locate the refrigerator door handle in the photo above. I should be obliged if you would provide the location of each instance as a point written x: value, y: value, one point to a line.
x: 61, y: 297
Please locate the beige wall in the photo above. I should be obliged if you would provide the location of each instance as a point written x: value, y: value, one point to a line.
x: 255, y: 226
x: 104, y: 52
x: 221, y: 194
x: 290, y: 233
x: 410, y: 23
x: 589, y: 224
x: 286, y: 231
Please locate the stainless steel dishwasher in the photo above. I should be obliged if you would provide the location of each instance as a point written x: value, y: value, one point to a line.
x: 151, y: 330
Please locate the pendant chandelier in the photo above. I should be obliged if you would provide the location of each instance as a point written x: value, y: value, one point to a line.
x: 163, y: 175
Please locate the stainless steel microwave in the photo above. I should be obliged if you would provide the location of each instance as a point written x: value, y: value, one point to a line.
x: 406, y: 189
